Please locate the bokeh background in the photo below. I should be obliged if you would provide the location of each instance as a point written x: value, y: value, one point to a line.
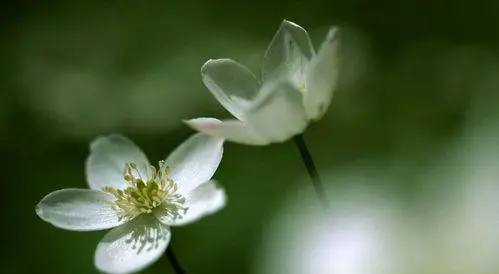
x: 412, y: 131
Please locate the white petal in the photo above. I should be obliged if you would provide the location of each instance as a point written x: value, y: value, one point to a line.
x: 280, y: 115
x: 195, y: 161
x: 290, y: 51
x: 206, y: 199
x: 78, y: 209
x: 232, y: 84
x: 321, y: 78
x: 107, y: 160
x: 231, y: 130
x: 132, y: 246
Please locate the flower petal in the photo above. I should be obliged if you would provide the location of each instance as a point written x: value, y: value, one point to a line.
x: 232, y: 84
x: 107, y: 160
x: 206, y: 199
x: 321, y: 77
x: 195, y: 161
x: 289, y: 51
x: 132, y: 246
x: 231, y: 130
x: 78, y: 209
x: 280, y: 115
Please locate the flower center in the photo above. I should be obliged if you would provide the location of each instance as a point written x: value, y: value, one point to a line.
x: 147, y: 190
x: 301, y: 87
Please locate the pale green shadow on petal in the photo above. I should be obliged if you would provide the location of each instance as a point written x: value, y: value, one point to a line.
x: 279, y: 115
x: 231, y: 130
x: 108, y: 157
x: 206, y: 199
x: 195, y: 161
x: 322, y: 76
x: 232, y: 84
x: 132, y: 246
x: 78, y: 209
x: 289, y: 50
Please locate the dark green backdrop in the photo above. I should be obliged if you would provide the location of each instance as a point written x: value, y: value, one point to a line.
x: 414, y: 74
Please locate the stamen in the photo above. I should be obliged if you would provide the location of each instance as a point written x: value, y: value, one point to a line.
x: 302, y: 88
x: 142, y: 197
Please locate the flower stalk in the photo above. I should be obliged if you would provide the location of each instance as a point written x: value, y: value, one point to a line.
x: 312, y: 171
x: 170, y: 255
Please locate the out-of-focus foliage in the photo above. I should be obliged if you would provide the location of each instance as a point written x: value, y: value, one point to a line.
x: 419, y: 85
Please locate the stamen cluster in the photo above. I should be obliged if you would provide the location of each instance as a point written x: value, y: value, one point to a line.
x: 145, y: 194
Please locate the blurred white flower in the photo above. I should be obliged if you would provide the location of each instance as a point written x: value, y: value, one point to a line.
x: 356, y: 237
x: 451, y: 227
x: 140, y: 201
x: 296, y: 88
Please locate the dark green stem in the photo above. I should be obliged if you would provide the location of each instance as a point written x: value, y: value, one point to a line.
x: 312, y: 171
x: 173, y: 261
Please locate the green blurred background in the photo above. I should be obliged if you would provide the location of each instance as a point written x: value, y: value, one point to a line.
x: 415, y: 77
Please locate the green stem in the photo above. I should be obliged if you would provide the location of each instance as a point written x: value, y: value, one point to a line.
x: 312, y: 171
x: 173, y: 261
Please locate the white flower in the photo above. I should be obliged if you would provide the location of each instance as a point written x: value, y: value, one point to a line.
x: 450, y: 226
x: 297, y: 88
x: 140, y: 201
x: 356, y: 236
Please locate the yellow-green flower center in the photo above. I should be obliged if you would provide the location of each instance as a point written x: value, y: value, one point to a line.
x: 301, y: 87
x: 148, y: 190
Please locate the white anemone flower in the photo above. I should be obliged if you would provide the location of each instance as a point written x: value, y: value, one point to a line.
x: 139, y: 201
x: 296, y: 88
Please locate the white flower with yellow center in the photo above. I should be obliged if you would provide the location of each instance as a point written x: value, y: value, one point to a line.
x: 296, y: 88
x: 139, y: 200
